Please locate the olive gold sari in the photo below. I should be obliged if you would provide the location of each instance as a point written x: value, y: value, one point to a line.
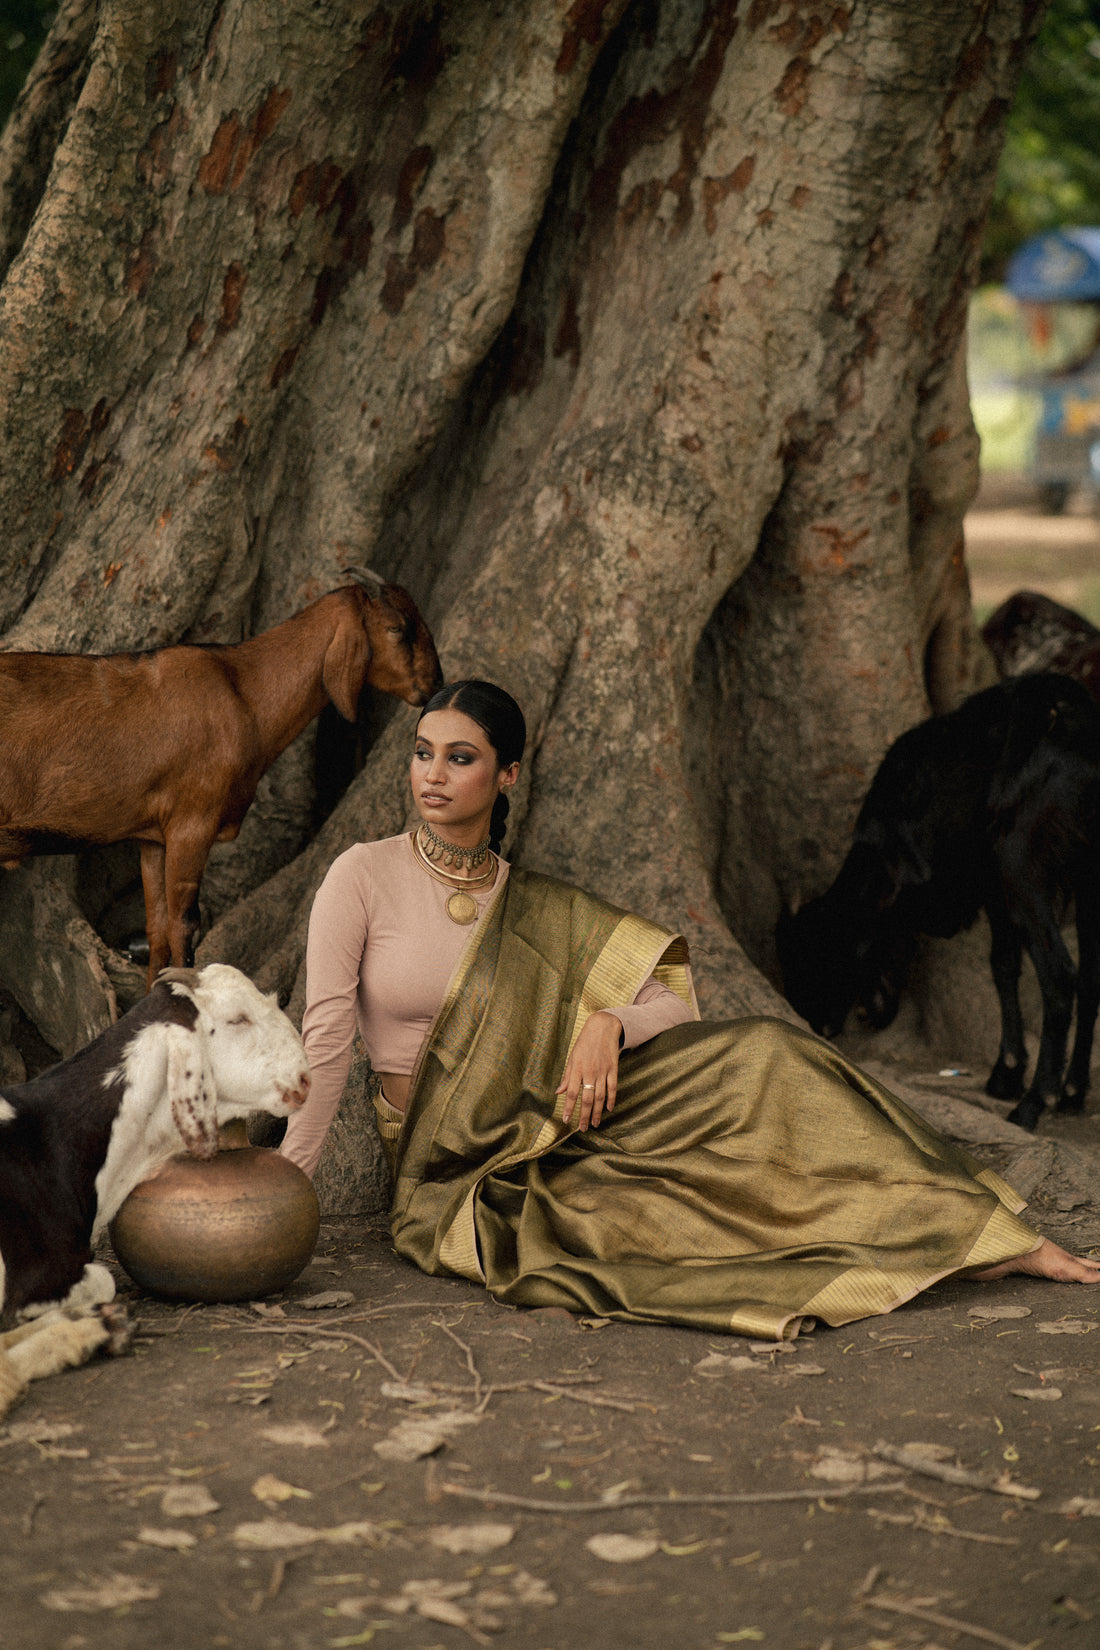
x: 749, y: 1177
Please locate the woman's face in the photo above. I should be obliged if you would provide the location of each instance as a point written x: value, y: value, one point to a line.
x: 455, y: 774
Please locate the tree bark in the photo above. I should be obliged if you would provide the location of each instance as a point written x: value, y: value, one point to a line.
x: 627, y: 336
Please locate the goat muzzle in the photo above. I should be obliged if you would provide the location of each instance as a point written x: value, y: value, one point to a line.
x: 297, y: 1097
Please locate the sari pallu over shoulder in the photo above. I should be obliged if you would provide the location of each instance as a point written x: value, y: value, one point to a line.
x: 749, y: 1177
x: 544, y: 957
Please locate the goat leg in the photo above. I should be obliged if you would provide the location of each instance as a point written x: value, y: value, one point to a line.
x: 156, y: 909
x: 1006, y: 1080
x: 120, y: 1328
x: 185, y: 860
x: 1057, y: 980
x: 1076, y: 1084
x: 13, y: 1384
x: 53, y: 1344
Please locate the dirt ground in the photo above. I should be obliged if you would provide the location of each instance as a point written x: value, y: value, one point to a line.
x: 1011, y: 544
x: 260, y: 1475
x: 379, y: 1457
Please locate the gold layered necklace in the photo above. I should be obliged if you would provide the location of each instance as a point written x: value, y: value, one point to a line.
x: 461, y: 906
x: 438, y: 849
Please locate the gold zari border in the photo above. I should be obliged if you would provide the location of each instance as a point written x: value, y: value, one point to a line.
x: 863, y: 1292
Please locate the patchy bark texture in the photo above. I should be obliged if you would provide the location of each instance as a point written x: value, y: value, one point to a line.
x: 627, y: 336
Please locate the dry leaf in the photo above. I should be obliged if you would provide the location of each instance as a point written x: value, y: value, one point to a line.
x: 1037, y: 1394
x: 444, y: 1610
x: 188, y: 1501
x: 622, y: 1549
x: 410, y: 1393
x: 1081, y: 1506
x: 471, y: 1538
x: 109, y: 1593
x: 298, y: 1433
x: 419, y: 1436
x: 1066, y: 1326
x: 805, y: 1369
x: 841, y: 1466
x: 930, y: 1452
x: 720, y: 1363
x: 436, y: 1600
x: 272, y: 1534
x: 327, y: 1299
x: 414, y: 1594
x: 180, y: 1540
x: 995, y: 1313
x: 38, y: 1432
x: 357, y: 1606
x: 271, y: 1489
x: 530, y: 1589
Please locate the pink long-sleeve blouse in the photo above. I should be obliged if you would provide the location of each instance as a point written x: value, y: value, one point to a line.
x: 381, y: 950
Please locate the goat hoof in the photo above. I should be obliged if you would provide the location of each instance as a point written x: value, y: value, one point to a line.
x: 1071, y: 1100
x: 120, y: 1328
x: 1026, y: 1115
x: 1005, y: 1082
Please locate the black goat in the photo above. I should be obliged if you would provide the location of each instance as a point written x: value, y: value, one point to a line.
x: 994, y: 807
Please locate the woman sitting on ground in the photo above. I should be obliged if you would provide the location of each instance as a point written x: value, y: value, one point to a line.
x: 563, y: 1128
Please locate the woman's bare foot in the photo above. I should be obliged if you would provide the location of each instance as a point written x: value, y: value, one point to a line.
x: 1047, y: 1261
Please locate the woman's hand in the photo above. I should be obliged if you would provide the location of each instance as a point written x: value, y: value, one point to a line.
x: 592, y: 1070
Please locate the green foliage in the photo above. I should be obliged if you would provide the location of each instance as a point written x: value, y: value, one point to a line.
x: 1050, y: 170
x: 24, y: 25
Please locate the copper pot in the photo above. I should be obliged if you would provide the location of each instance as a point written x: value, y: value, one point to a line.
x: 236, y: 1227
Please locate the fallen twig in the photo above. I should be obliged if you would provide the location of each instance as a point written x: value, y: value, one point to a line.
x: 242, y: 1318
x: 558, y: 1389
x: 561, y: 1391
x: 879, y: 1601
x: 732, y: 1498
x: 144, y: 1328
x: 941, y: 1526
x: 482, y: 1394
x: 327, y: 1335
x: 954, y: 1475
x: 470, y: 1364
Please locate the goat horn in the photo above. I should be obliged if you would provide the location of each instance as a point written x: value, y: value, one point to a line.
x: 365, y: 576
x: 178, y: 976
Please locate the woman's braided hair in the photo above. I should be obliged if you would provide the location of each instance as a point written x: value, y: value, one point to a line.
x: 500, y: 720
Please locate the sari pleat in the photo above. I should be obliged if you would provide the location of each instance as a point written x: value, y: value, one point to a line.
x: 748, y: 1179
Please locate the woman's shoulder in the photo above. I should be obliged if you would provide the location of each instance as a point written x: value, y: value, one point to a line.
x: 365, y: 860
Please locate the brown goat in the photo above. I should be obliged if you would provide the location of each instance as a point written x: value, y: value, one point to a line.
x: 166, y: 748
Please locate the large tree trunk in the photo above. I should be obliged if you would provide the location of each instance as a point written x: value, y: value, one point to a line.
x: 627, y: 336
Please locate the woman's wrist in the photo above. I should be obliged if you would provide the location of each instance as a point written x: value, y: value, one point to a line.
x: 609, y: 1013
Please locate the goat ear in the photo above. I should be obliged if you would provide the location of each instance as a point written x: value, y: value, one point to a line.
x: 191, y: 1091
x: 346, y: 661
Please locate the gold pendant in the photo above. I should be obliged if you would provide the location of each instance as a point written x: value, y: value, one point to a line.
x: 462, y: 908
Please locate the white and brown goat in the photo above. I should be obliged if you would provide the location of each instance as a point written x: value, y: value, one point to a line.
x: 202, y: 1048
